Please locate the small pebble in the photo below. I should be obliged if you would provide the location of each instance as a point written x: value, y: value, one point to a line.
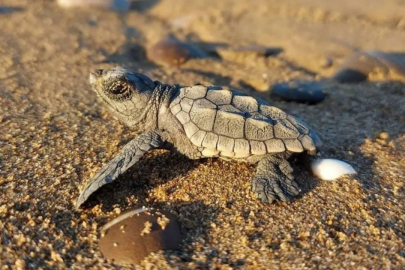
x: 384, y: 135
x: 117, y: 5
x: 360, y: 66
x: 19, y: 264
x: 330, y: 169
x: 173, y: 52
x: 326, y: 62
x: 144, y: 233
x: 300, y: 91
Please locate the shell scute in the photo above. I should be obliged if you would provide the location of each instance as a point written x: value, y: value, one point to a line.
x: 258, y: 130
x: 229, y: 124
x: 285, y: 130
x: 245, y: 103
x: 275, y: 146
x: 186, y: 104
x: 198, y: 138
x: 258, y: 148
x: 220, y: 97
x: 195, y: 92
x: 225, y: 144
x: 210, y: 141
x: 272, y: 112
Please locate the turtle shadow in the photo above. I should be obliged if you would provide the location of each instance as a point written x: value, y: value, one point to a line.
x: 305, y: 180
x: 155, y: 169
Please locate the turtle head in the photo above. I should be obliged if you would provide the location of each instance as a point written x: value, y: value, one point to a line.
x: 124, y: 91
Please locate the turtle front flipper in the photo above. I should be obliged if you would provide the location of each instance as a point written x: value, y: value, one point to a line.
x: 274, y: 180
x: 129, y: 155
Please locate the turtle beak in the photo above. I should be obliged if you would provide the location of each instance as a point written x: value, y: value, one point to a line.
x: 92, y: 78
x: 95, y: 76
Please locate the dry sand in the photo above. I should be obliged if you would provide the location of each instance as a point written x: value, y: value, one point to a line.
x: 55, y: 134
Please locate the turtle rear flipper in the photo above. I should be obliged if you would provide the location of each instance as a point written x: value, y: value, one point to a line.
x: 274, y: 180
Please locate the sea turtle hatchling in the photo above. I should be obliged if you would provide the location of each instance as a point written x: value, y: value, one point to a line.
x: 202, y: 122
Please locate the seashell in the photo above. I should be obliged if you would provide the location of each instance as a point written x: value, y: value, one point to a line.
x: 132, y: 236
x: 173, y: 52
x: 330, y: 169
x: 300, y: 91
x: 117, y: 5
x: 361, y: 65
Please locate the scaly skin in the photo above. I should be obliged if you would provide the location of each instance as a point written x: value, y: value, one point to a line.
x: 202, y: 122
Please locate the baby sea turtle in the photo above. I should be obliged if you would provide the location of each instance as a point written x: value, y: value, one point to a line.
x: 202, y: 122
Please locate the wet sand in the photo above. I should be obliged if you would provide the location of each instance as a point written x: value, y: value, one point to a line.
x: 55, y: 134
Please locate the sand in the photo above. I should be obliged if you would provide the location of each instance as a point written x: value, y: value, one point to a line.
x: 55, y: 134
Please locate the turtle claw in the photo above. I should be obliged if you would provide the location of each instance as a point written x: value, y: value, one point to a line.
x: 259, y: 187
x: 264, y: 194
x: 270, y: 190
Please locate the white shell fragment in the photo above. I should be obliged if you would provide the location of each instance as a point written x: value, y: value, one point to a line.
x: 330, y: 169
x: 117, y: 5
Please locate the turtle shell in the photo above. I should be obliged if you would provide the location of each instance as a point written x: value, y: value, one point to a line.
x: 229, y: 123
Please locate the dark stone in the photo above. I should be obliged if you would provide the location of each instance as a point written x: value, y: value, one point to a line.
x: 299, y: 91
x: 173, y: 52
x: 349, y: 76
x: 7, y: 10
x: 126, y: 241
x: 358, y: 66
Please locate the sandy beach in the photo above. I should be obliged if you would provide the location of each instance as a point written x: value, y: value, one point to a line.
x: 55, y: 134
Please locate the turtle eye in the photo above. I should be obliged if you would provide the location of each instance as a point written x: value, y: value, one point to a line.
x: 119, y: 90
